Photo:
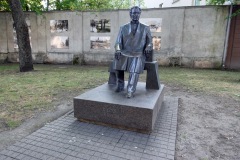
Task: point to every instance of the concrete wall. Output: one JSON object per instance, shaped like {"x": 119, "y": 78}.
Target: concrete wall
{"x": 3, "y": 38}
{"x": 190, "y": 36}
{"x": 203, "y": 37}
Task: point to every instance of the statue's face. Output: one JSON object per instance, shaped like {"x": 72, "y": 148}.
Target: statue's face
{"x": 135, "y": 14}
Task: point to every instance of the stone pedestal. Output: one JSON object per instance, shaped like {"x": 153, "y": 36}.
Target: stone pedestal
{"x": 102, "y": 105}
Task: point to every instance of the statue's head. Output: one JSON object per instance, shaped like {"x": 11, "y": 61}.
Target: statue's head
{"x": 135, "y": 13}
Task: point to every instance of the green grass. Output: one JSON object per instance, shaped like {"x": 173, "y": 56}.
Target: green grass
{"x": 13, "y": 124}
{"x": 222, "y": 83}
{"x": 24, "y": 94}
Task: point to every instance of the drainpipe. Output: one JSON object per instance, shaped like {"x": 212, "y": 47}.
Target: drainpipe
{"x": 227, "y": 36}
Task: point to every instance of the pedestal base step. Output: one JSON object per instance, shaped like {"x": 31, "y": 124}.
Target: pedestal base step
{"x": 102, "y": 105}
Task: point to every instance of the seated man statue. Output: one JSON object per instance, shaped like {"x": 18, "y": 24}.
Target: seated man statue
{"x": 133, "y": 45}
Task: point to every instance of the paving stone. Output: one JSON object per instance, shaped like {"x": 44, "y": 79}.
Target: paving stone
{"x": 71, "y": 158}
{"x": 29, "y": 158}
{"x": 9, "y": 158}
{"x": 67, "y": 138}
{"x": 85, "y": 156}
{"x": 3, "y": 157}
{"x": 20, "y": 156}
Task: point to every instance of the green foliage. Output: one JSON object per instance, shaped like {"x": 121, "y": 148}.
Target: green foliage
{"x": 221, "y": 2}
{"x": 82, "y": 5}
{"x": 216, "y": 2}
{"x": 237, "y": 12}
{"x": 27, "y": 5}
{"x": 4, "y": 6}
{"x": 32, "y": 5}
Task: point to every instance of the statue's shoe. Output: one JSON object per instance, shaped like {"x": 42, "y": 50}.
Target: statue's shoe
{"x": 119, "y": 89}
{"x": 129, "y": 95}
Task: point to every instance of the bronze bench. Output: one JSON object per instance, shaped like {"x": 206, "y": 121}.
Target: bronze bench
{"x": 152, "y": 81}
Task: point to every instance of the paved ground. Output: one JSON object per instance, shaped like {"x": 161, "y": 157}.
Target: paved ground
{"x": 68, "y": 139}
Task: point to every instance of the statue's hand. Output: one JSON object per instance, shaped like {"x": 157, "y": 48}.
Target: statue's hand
{"x": 118, "y": 55}
{"x": 147, "y": 52}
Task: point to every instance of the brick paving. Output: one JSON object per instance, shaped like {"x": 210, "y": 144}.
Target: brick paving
{"x": 68, "y": 139}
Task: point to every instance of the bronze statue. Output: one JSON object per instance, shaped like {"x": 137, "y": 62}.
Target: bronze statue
{"x": 133, "y": 44}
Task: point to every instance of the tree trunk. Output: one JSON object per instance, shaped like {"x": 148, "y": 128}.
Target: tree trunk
{"x": 25, "y": 52}
{"x": 47, "y": 5}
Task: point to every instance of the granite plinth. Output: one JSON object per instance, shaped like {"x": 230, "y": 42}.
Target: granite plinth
{"x": 104, "y": 106}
